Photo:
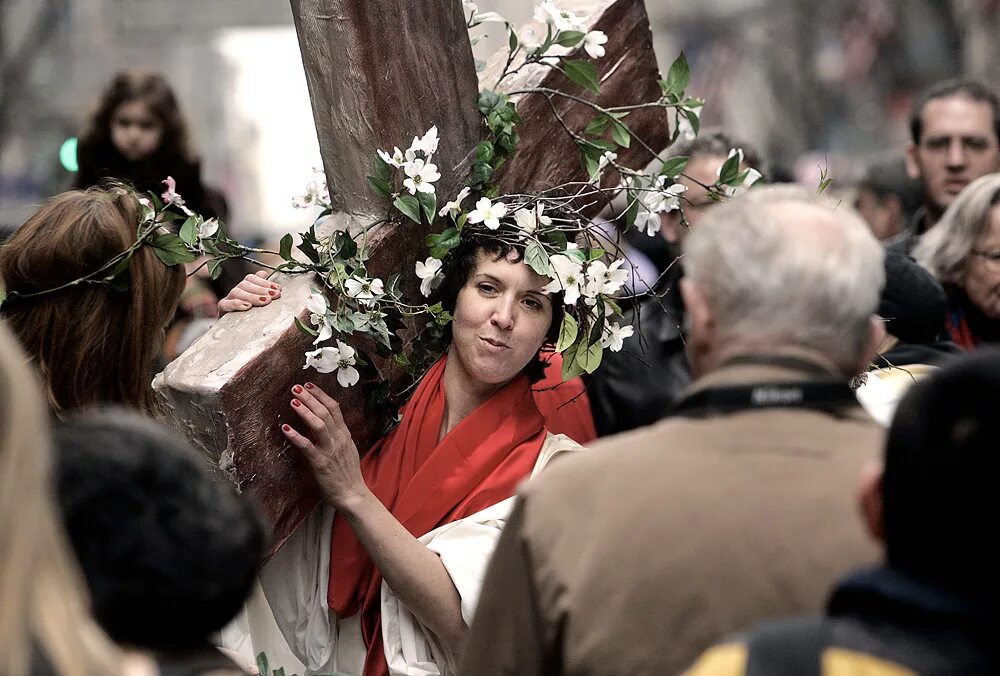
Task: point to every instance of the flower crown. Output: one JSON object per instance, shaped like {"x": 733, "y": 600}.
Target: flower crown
{"x": 558, "y": 241}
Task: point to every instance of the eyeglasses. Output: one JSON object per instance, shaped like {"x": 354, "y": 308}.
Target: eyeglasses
{"x": 992, "y": 257}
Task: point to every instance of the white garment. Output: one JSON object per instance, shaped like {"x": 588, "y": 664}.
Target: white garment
{"x": 884, "y": 388}
{"x": 287, "y": 616}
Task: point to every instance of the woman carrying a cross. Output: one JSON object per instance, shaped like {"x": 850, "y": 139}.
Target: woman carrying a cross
{"x": 385, "y": 576}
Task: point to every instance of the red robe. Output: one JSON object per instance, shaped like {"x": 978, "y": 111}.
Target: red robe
{"x": 564, "y": 405}
{"x": 426, "y": 484}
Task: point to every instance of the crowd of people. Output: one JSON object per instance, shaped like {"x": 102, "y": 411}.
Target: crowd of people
{"x": 793, "y": 473}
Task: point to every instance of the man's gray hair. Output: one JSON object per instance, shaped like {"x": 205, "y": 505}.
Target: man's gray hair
{"x": 775, "y": 282}
{"x": 945, "y": 249}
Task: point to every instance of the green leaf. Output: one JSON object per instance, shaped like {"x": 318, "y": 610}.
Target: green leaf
{"x": 489, "y": 101}
{"x": 569, "y": 38}
{"x": 189, "y": 231}
{"x": 602, "y": 146}
{"x": 597, "y": 125}
{"x": 285, "y": 247}
{"x": 556, "y": 239}
{"x": 215, "y": 268}
{"x": 428, "y": 201}
{"x": 589, "y": 358}
{"x": 170, "y": 249}
{"x": 632, "y": 212}
{"x": 440, "y": 245}
{"x": 461, "y": 221}
{"x": 481, "y": 173}
{"x": 308, "y": 330}
{"x": 537, "y": 259}
{"x": 484, "y": 151}
{"x": 674, "y": 166}
{"x": 568, "y": 331}
{"x": 693, "y": 120}
{"x": 678, "y": 76}
{"x": 730, "y": 170}
{"x": 511, "y": 39}
{"x": 379, "y": 186}
{"x": 595, "y": 253}
{"x": 621, "y": 135}
{"x": 571, "y": 368}
{"x": 383, "y": 169}
{"x": 344, "y": 245}
{"x": 410, "y": 207}
{"x": 262, "y": 666}
{"x": 582, "y": 73}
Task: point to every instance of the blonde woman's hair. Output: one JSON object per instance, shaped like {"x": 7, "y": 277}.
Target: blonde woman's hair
{"x": 90, "y": 343}
{"x": 43, "y": 607}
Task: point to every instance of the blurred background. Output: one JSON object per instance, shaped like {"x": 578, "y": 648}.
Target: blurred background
{"x": 812, "y": 83}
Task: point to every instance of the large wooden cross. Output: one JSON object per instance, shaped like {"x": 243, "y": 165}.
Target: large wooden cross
{"x": 380, "y": 72}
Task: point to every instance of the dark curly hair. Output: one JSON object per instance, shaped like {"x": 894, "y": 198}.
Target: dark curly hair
{"x": 460, "y": 265}
{"x": 169, "y": 552}
{"x": 98, "y": 158}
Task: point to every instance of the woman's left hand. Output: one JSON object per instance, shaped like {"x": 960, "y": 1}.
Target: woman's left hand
{"x": 331, "y": 451}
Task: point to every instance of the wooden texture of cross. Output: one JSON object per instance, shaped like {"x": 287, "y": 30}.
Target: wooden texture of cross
{"x": 380, "y": 72}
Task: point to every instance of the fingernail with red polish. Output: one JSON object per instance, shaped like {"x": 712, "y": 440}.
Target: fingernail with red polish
{"x": 263, "y": 299}
{"x": 297, "y": 389}
{"x": 296, "y": 402}
{"x": 275, "y": 287}
{"x": 272, "y": 293}
{"x": 309, "y": 386}
{"x": 287, "y": 428}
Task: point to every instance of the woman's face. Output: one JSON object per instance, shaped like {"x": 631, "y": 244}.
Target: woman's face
{"x": 135, "y": 130}
{"x": 501, "y": 319}
{"x": 982, "y": 275}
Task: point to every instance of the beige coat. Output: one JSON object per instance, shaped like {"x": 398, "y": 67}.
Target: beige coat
{"x": 634, "y": 558}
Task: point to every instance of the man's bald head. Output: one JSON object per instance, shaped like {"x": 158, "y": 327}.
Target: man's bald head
{"x": 779, "y": 267}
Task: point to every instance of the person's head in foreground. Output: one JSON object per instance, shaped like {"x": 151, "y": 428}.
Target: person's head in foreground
{"x": 169, "y": 551}
{"x": 778, "y": 269}
{"x": 44, "y": 623}
{"x": 963, "y": 251}
{"x": 954, "y": 139}
{"x": 90, "y": 343}
{"x": 503, "y": 318}
{"x": 936, "y": 498}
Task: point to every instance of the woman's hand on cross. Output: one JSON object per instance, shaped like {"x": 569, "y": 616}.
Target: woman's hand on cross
{"x": 329, "y": 447}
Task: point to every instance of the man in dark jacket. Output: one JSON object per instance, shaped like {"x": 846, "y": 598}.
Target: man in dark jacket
{"x": 931, "y": 608}
{"x": 636, "y": 386}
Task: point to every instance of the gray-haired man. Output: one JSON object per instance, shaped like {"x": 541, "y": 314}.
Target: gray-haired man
{"x": 636, "y": 556}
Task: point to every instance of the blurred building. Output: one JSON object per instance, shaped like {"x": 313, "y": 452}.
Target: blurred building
{"x": 812, "y": 79}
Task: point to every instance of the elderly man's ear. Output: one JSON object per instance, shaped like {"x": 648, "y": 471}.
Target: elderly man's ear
{"x": 870, "y": 500}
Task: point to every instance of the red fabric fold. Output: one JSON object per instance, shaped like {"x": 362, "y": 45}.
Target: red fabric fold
{"x": 426, "y": 484}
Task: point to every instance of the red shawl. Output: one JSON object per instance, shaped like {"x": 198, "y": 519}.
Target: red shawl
{"x": 426, "y": 484}
{"x": 564, "y": 405}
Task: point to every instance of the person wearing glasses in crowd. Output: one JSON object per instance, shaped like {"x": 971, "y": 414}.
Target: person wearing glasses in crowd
{"x": 963, "y": 252}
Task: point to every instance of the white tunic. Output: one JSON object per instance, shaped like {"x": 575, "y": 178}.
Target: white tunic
{"x": 287, "y": 616}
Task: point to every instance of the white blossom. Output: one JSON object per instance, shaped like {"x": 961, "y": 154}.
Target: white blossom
{"x": 316, "y": 193}
{"x": 207, "y": 228}
{"x": 528, "y": 220}
{"x": 647, "y": 221}
{"x": 396, "y": 159}
{"x": 606, "y": 279}
{"x": 421, "y": 176}
{"x": 488, "y": 213}
{"x": 559, "y": 19}
{"x": 364, "y": 290}
{"x": 347, "y": 375}
{"x": 318, "y": 309}
{"x": 593, "y": 43}
{"x": 453, "y": 207}
{"x": 607, "y": 157}
{"x": 567, "y": 276}
{"x": 428, "y": 144}
{"x": 529, "y": 38}
{"x": 665, "y": 200}
{"x": 614, "y": 336}
{"x": 428, "y": 271}
{"x": 323, "y": 360}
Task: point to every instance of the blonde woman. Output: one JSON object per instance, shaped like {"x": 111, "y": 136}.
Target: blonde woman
{"x": 44, "y": 625}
